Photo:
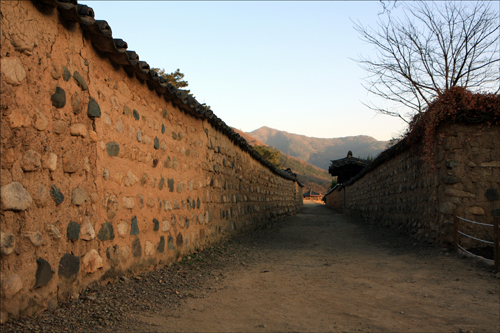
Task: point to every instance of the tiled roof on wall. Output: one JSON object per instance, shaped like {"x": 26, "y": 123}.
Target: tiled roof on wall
{"x": 116, "y": 49}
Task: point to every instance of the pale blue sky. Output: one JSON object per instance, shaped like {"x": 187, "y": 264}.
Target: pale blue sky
{"x": 282, "y": 64}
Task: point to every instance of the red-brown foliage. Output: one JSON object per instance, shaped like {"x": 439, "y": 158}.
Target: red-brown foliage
{"x": 457, "y": 105}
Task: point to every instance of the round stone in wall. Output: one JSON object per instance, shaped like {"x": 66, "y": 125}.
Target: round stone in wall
{"x": 58, "y": 99}
{"x": 15, "y": 197}
{"x": 79, "y": 196}
{"x": 73, "y": 231}
{"x": 69, "y": 265}
{"x": 93, "y": 109}
{"x": 43, "y": 273}
{"x": 7, "y": 242}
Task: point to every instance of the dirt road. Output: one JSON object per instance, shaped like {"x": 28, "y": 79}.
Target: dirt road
{"x": 321, "y": 271}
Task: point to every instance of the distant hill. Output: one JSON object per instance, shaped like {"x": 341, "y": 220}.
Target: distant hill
{"x": 310, "y": 176}
{"x": 318, "y": 151}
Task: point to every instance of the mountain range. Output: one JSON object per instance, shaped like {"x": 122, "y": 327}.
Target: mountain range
{"x": 318, "y": 151}
{"x": 310, "y": 157}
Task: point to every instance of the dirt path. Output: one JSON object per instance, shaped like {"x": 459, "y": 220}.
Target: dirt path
{"x": 321, "y": 271}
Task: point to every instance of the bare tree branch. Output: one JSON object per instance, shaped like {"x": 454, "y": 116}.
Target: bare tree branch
{"x": 435, "y": 46}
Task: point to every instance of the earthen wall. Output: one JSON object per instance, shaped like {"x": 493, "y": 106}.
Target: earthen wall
{"x": 102, "y": 176}
{"x": 407, "y": 194}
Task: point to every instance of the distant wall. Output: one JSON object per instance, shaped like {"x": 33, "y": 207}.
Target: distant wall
{"x": 101, "y": 173}
{"x": 404, "y": 194}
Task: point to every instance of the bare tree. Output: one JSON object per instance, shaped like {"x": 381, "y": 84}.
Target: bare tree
{"x": 433, "y": 47}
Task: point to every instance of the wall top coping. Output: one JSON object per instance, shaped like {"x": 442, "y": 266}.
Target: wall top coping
{"x": 115, "y": 49}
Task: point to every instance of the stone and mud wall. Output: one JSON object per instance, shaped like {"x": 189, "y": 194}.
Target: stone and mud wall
{"x": 105, "y": 169}
{"x": 406, "y": 193}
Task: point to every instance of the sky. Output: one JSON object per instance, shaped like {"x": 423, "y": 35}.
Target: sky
{"x": 287, "y": 65}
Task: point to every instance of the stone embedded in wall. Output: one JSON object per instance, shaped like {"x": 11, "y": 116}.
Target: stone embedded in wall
{"x": 119, "y": 126}
{"x": 128, "y": 202}
{"x": 113, "y": 149}
{"x": 13, "y": 70}
{"x": 93, "y": 109}
{"x": 92, "y": 261}
{"x": 106, "y": 232}
{"x": 476, "y": 210}
{"x": 69, "y": 265}
{"x": 136, "y": 114}
{"x": 151, "y": 203}
{"x": 59, "y": 126}
{"x": 93, "y": 136}
{"x": 40, "y": 122}
{"x": 144, "y": 180}
{"x": 141, "y": 200}
{"x": 19, "y": 118}
{"x": 94, "y": 197}
{"x": 162, "y": 129}
{"x": 149, "y": 249}
{"x": 55, "y": 72}
{"x": 163, "y": 145}
{"x": 491, "y": 194}
{"x": 106, "y": 119}
{"x": 76, "y": 103}
{"x": 153, "y": 182}
{"x": 176, "y": 204}
{"x": 170, "y": 184}
{"x": 50, "y": 161}
{"x": 87, "y": 231}
{"x": 58, "y": 99}
{"x": 31, "y": 161}
{"x": 80, "y": 80}
{"x": 459, "y": 194}
{"x": 71, "y": 163}
{"x": 78, "y": 130}
{"x": 125, "y": 252}
{"x": 165, "y": 226}
{"x": 146, "y": 140}
{"x": 56, "y": 195}
{"x": 174, "y": 135}
{"x": 122, "y": 229}
{"x": 156, "y": 224}
{"x": 15, "y": 197}
{"x": 43, "y": 273}
{"x": 156, "y": 143}
{"x": 105, "y": 174}
{"x": 179, "y": 240}
{"x": 167, "y": 205}
{"x": 134, "y": 228}
{"x": 171, "y": 245}
{"x": 53, "y": 231}
{"x": 179, "y": 136}
{"x": 161, "y": 245}
{"x": 136, "y": 248}
{"x": 73, "y": 231}
{"x": 130, "y": 179}
{"x": 155, "y": 162}
{"x": 114, "y": 102}
{"x": 34, "y": 236}
{"x": 126, "y": 110}
{"x": 79, "y": 196}
{"x": 180, "y": 187}
{"x": 7, "y": 242}
{"x": 168, "y": 162}
{"x": 11, "y": 286}
{"x": 492, "y": 164}
{"x": 161, "y": 183}
{"x": 113, "y": 253}
{"x": 66, "y": 74}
